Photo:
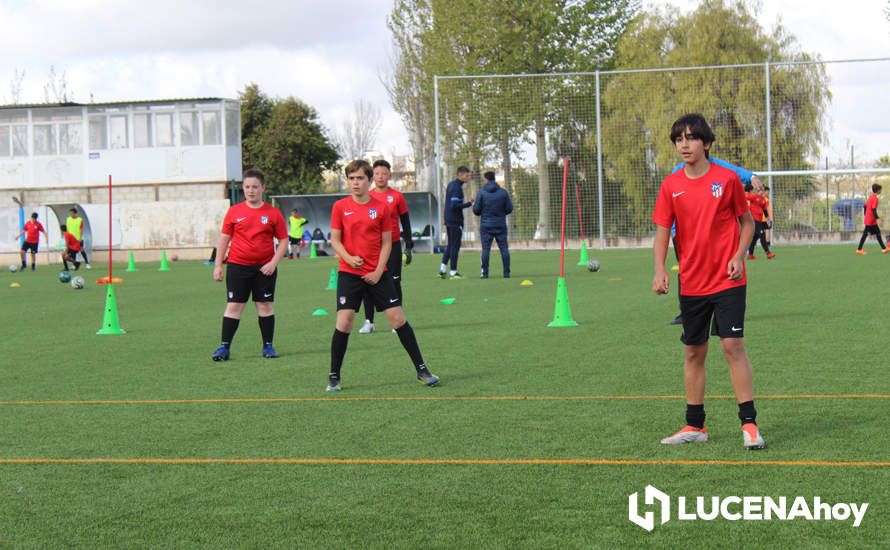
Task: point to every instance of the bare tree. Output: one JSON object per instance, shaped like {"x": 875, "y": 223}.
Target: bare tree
{"x": 15, "y": 86}
{"x": 56, "y": 88}
{"x": 360, "y": 131}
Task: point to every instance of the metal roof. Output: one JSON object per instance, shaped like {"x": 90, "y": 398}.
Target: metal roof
{"x": 114, "y": 103}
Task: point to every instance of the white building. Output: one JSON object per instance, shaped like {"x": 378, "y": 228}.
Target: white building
{"x": 170, "y": 160}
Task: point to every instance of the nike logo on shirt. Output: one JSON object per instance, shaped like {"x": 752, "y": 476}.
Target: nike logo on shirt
{"x": 240, "y": 219}
{"x": 675, "y": 195}
{"x": 348, "y": 213}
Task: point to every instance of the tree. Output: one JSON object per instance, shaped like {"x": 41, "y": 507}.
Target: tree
{"x": 15, "y": 86}
{"x": 487, "y": 119}
{"x": 639, "y": 108}
{"x": 56, "y": 88}
{"x": 360, "y": 131}
{"x": 284, "y": 138}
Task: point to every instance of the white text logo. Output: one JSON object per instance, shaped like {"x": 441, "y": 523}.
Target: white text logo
{"x": 738, "y": 508}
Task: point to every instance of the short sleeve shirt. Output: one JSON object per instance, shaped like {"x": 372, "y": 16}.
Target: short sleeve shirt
{"x": 253, "y": 232}
{"x": 32, "y": 231}
{"x": 871, "y": 204}
{"x": 71, "y": 242}
{"x": 395, "y": 201}
{"x": 757, "y": 202}
{"x": 706, "y": 211}
{"x": 361, "y": 229}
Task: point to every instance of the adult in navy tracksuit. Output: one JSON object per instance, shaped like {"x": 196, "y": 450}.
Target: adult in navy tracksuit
{"x": 493, "y": 204}
{"x": 454, "y": 220}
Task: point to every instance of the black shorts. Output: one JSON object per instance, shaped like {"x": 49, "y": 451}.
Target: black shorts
{"x": 26, "y": 246}
{"x": 295, "y": 240}
{"x": 244, "y": 280}
{"x": 872, "y": 229}
{"x": 723, "y": 311}
{"x": 394, "y": 263}
{"x": 351, "y": 290}
{"x": 71, "y": 253}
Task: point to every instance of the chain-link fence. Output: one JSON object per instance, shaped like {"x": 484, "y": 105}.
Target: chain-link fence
{"x": 775, "y": 119}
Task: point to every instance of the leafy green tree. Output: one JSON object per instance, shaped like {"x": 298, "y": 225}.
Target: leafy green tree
{"x": 639, "y": 108}
{"x": 486, "y": 119}
{"x": 284, "y": 138}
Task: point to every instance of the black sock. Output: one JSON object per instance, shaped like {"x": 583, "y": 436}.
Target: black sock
{"x": 695, "y": 415}
{"x": 267, "y": 328}
{"x": 747, "y": 414}
{"x": 369, "y": 308}
{"x": 65, "y": 263}
{"x": 229, "y": 326}
{"x": 338, "y": 350}
{"x": 409, "y": 342}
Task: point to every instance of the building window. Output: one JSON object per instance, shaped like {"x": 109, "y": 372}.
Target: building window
{"x": 233, "y": 127}
{"x": 69, "y": 139}
{"x": 98, "y": 132}
{"x": 118, "y": 135}
{"x": 20, "y": 141}
{"x": 188, "y": 128}
{"x": 142, "y": 130}
{"x": 5, "y": 141}
{"x": 45, "y": 139}
{"x": 164, "y": 130}
{"x": 211, "y": 127}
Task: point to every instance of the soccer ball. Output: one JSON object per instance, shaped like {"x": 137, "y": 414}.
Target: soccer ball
{"x": 64, "y": 276}
{"x": 77, "y": 282}
{"x": 13, "y": 268}
{"x": 593, "y": 266}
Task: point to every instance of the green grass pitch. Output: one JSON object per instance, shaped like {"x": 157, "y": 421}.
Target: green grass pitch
{"x": 153, "y": 400}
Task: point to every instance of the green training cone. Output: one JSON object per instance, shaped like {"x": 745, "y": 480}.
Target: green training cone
{"x": 131, "y": 265}
{"x": 164, "y": 265}
{"x": 582, "y": 260}
{"x": 110, "y": 322}
{"x": 312, "y": 252}
{"x": 562, "y": 313}
{"x": 332, "y": 281}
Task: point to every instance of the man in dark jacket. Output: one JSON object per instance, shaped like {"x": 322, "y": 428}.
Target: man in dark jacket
{"x": 454, "y": 221}
{"x": 493, "y": 204}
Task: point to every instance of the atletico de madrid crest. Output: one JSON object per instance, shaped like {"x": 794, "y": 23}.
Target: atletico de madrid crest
{"x": 717, "y": 190}
{"x": 264, "y": 220}
{"x": 372, "y": 213}
{"x": 389, "y": 198}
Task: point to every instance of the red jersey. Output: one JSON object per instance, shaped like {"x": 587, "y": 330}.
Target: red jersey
{"x": 395, "y": 200}
{"x": 71, "y": 242}
{"x": 757, "y": 202}
{"x": 361, "y": 231}
{"x": 871, "y": 204}
{"x": 252, "y": 231}
{"x": 706, "y": 210}
{"x": 32, "y": 231}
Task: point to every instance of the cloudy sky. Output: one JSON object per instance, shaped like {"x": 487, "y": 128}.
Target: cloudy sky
{"x": 331, "y": 53}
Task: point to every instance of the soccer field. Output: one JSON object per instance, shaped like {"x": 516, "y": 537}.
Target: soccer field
{"x": 536, "y": 436}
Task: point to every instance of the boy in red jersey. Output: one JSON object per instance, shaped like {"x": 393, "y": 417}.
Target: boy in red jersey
{"x": 31, "y": 231}
{"x": 247, "y": 244}
{"x": 871, "y": 221}
{"x": 714, "y": 227}
{"x": 361, "y": 233}
{"x": 757, "y": 202}
{"x": 72, "y": 247}
{"x": 398, "y": 211}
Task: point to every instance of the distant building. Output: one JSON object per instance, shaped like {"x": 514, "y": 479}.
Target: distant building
{"x": 63, "y": 152}
{"x": 171, "y": 162}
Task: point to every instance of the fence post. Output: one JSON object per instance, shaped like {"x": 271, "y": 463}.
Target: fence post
{"x": 599, "y": 164}
{"x": 436, "y": 160}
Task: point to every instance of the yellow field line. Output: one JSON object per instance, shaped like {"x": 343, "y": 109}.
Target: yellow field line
{"x": 424, "y": 398}
{"x": 453, "y": 461}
